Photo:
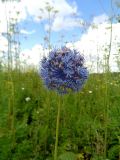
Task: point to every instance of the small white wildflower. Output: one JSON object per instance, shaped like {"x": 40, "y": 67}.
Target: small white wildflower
{"x": 27, "y": 99}
{"x": 23, "y": 89}
{"x": 90, "y": 92}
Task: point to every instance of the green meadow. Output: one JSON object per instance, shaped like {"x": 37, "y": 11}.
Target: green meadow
{"x": 89, "y": 126}
{"x": 37, "y": 123}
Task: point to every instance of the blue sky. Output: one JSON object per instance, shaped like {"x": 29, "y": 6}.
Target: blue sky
{"x": 87, "y": 10}
{"x": 83, "y": 24}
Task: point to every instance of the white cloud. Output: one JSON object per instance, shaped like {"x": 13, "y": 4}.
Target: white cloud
{"x": 3, "y": 24}
{"x": 33, "y": 56}
{"x": 36, "y": 9}
{"x": 3, "y": 44}
{"x": 94, "y": 43}
{"x": 66, "y": 23}
{"x": 63, "y": 19}
{"x": 22, "y": 31}
{"x": 3, "y": 49}
{"x": 101, "y": 19}
{"x": 11, "y": 12}
{"x": 16, "y": 11}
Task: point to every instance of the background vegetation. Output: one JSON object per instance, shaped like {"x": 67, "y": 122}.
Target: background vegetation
{"x": 89, "y": 122}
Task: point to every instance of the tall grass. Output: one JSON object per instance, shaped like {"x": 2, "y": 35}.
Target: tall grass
{"x": 83, "y": 121}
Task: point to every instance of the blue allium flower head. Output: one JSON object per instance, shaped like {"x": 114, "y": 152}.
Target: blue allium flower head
{"x": 63, "y": 70}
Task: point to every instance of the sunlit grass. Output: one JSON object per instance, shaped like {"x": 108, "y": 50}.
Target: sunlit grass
{"x": 82, "y": 123}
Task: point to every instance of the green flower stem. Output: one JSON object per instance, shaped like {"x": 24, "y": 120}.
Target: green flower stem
{"x": 57, "y": 129}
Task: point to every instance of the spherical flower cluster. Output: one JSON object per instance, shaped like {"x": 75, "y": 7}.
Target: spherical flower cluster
{"x": 63, "y": 70}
